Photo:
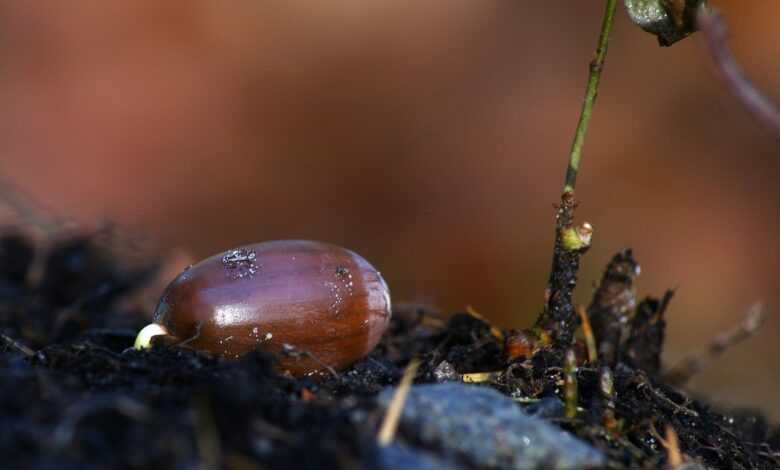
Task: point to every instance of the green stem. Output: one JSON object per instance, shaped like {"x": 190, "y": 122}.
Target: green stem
{"x": 590, "y": 97}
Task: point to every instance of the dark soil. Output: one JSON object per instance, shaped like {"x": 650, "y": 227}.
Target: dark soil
{"x": 75, "y": 395}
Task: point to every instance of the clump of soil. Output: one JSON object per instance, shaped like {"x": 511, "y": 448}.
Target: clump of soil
{"x": 75, "y": 395}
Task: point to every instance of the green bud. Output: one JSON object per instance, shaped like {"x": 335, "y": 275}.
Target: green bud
{"x": 579, "y": 238}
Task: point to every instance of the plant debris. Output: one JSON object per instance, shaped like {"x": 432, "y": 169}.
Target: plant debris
{"x": 669, "y": 20}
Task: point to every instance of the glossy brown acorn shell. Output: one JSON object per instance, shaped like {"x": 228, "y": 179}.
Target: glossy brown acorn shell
{"x": 318, "y": 298}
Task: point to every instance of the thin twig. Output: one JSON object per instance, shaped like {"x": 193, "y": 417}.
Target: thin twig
{"x": 18, "y": 346}
{"x": 596, "y": 66}
{"x": 393, "y": 415}
{"x": 674, "y": 456}
{"x": 676, "y": 408}
{"x": 713, "y": 27}
{"x": 570, "y": 389}
{"x": 291, "y": 351}
{"x": 692, "y": 365}
{"x": 672, "y": 445}
{"x": 494, "y": 330}
{"x": 587, "y": 332}
{"x": 607, "y": 392}
{"x": 480, "y": 377}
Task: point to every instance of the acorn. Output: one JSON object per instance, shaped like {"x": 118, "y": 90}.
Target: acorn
{"x": 315, "y": 306}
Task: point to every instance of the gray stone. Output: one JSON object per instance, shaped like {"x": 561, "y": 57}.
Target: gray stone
{"x": 546, "y": 408}
{"x": 399, "y": 457}
{"x": 487, "y": 429}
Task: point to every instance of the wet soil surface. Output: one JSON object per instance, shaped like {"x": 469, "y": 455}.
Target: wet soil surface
{"x": 75, "y": 395}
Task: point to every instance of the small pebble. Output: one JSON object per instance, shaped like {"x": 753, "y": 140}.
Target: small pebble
{"x": 444, "y": 372}
{"x": 482, "y": 426}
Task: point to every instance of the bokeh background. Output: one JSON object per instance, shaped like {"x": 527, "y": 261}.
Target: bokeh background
{"x": 429, "y": 136}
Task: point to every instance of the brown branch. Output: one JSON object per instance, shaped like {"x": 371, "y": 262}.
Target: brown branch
{"x": 692, "y": 365}
{"x": 713, "y": 27}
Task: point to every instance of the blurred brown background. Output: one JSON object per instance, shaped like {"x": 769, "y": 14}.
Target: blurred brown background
{"x": 430, "y": 136}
